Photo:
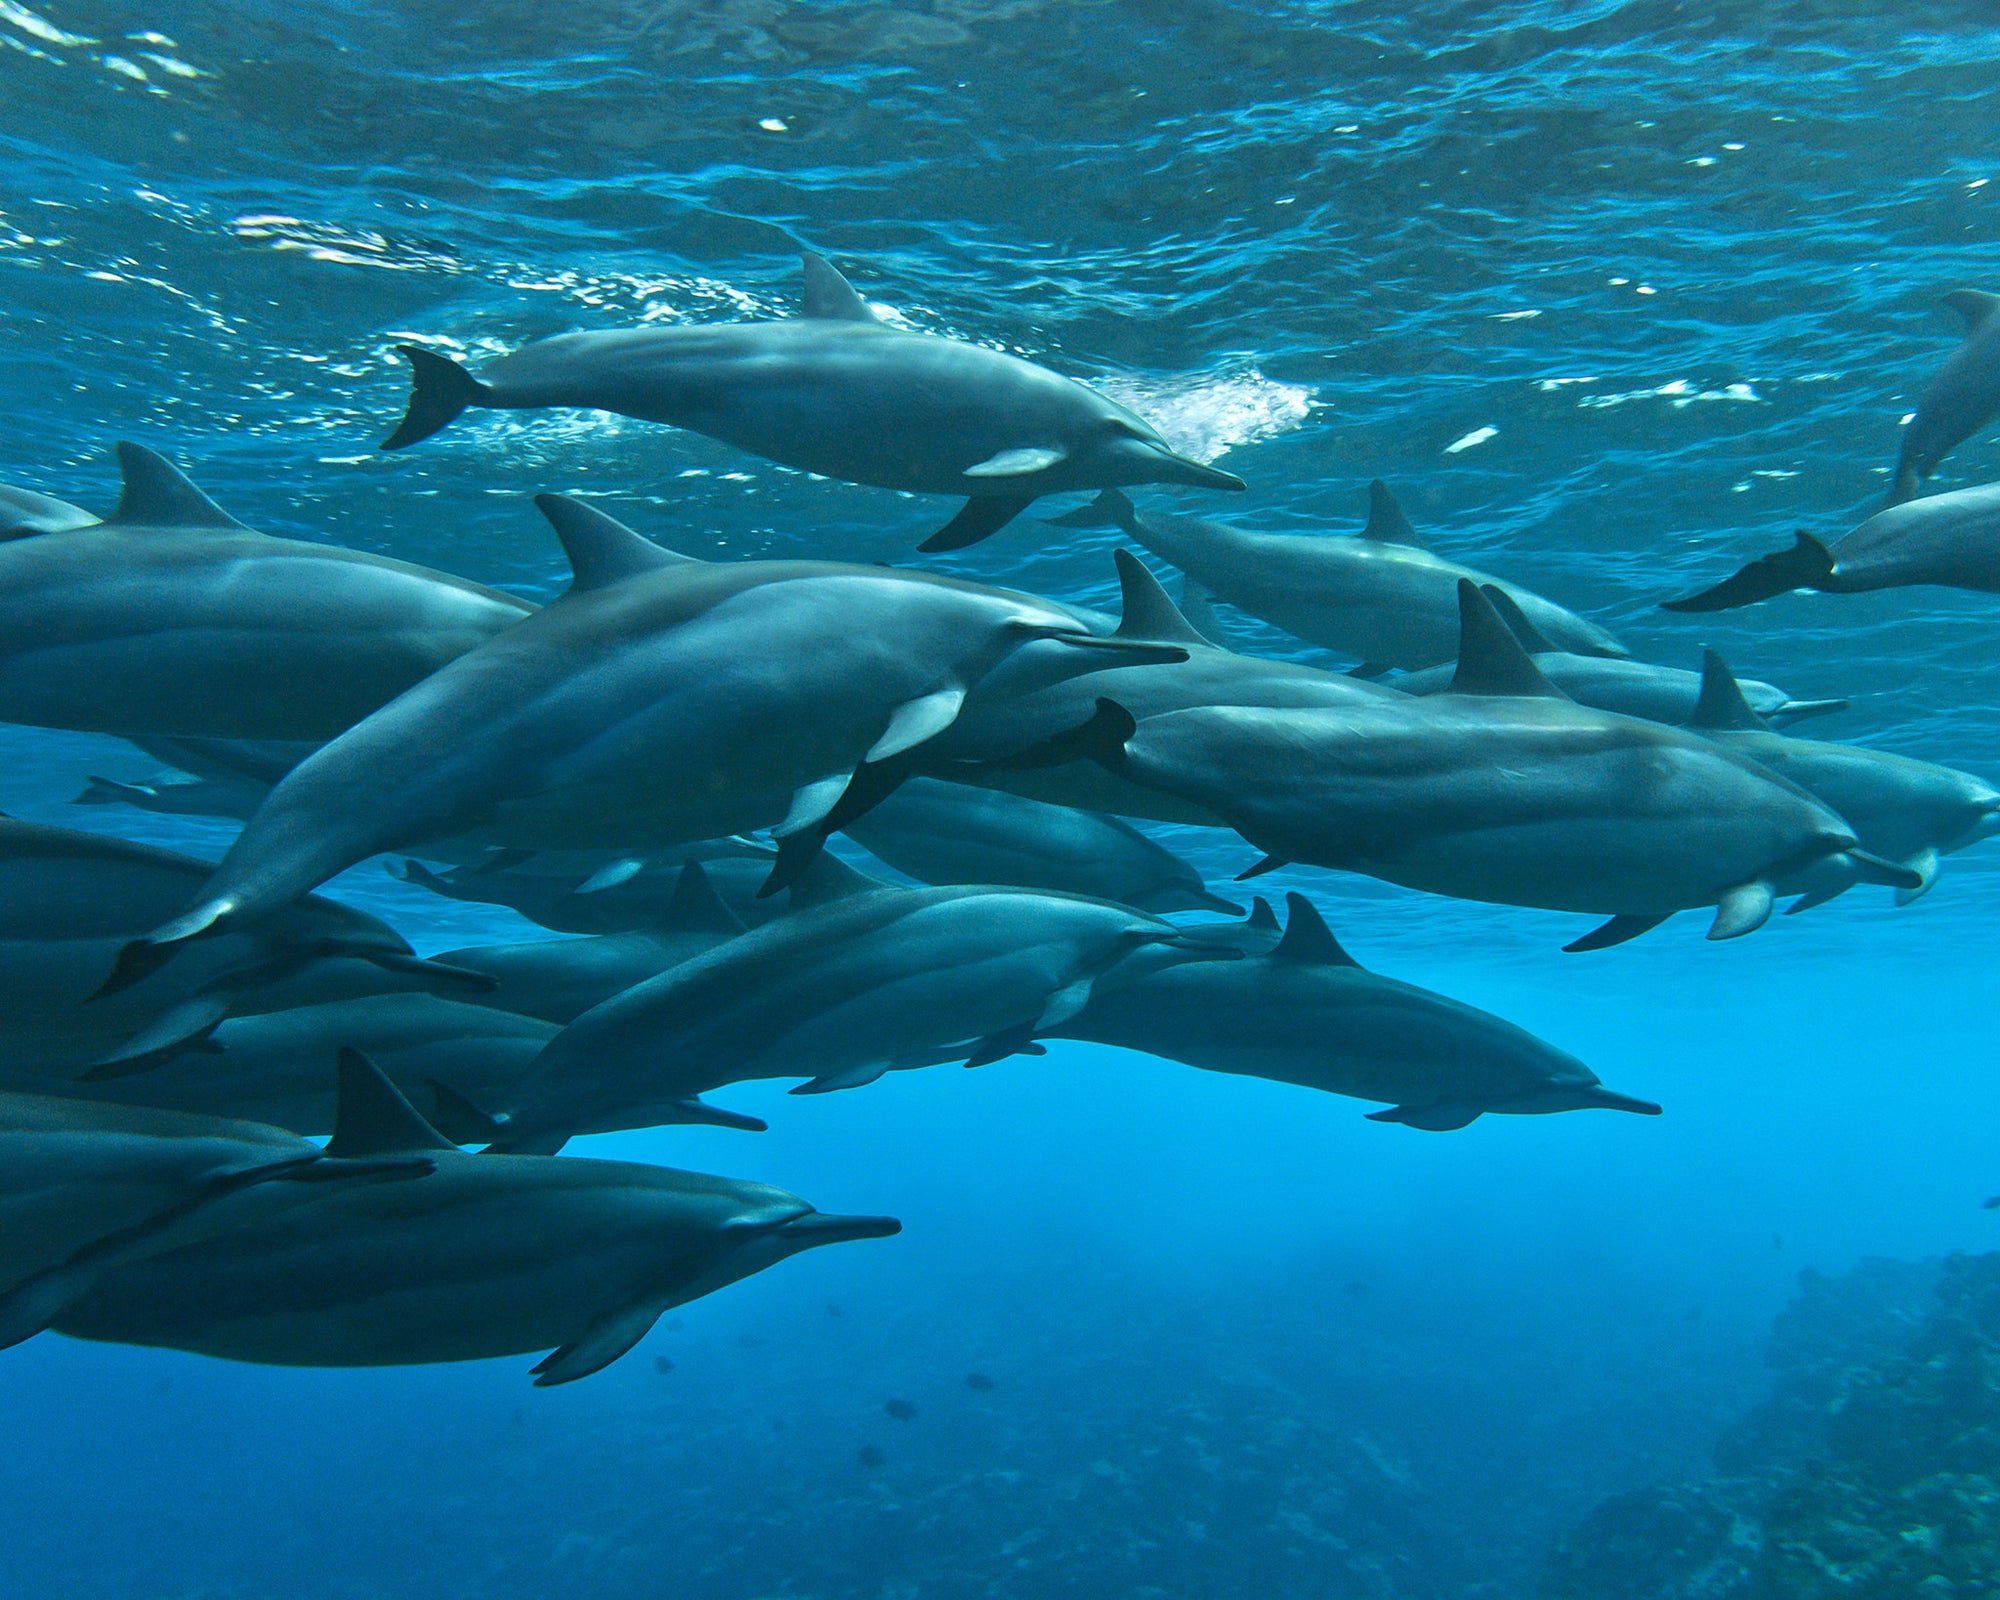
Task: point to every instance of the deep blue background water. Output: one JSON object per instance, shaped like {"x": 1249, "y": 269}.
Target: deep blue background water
{"x": 1683, "y": 260}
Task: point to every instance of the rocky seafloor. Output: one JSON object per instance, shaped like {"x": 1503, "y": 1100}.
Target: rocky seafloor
{"x": 1871, "y": 1473}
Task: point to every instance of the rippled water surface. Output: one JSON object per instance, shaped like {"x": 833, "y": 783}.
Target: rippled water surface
{"x": 1616, "y": 296}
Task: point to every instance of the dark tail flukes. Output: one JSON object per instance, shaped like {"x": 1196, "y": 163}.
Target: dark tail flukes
{"x": 440, "y": 389}
{"x": 1807, "y": 565}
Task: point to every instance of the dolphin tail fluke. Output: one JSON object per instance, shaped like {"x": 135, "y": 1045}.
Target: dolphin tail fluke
{"x": 439, "y": 389}
{"x": 603, "y": 1342}
{"x": 1807, "y": 565}
{"x": 1616, "y": 931}
{"x": 1112, "y": 508}
{"x": 1101, "y": 739}
{"x": 979, "y": 518}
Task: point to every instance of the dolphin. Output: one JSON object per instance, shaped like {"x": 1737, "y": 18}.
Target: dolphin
{"x": 1959, "y": 401}
{"x": 171, "y": 617}
{"x": 837, "y": 392}
{"x": 24, "y": 514}
{"x": 1503, "y": 790}
{"x": 273, "y": 1068}
{"x": 1015, "y": 743}
{"x": 70, "y": 900}
{"x": 1951, "y": 540}
{"x": 654, "y": 899}
{"x": 841, "y": 994}
{"x": 503, "y": 1255}
{"x": 948, "y": 833}
{"x": 1612, "y": 683}
{"x": 1383, "y": 596}
{"x": 656, "y": 700}
{"x": 1304, "y": 1011}
{"x": 84, "y": 1188}
{"x": 1907, "y": 811}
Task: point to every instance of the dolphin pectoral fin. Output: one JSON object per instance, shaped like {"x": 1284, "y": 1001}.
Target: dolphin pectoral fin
{"x": 914, "y": 721}
{"x": 439, "y": 390}
{"x": 811, "y": 802}
{"x": 1975, "y": 305}
{"x": 603, "y": 1342}
{"x": 1017, "y": 463}
{"x": 1442, "y": 1117}
{"x": 872, "y": 783}
{"x": 181, "y": 1028}
{"x": 855, "y": 1077}
{"x": 611, "y": 875}
{"x": 1807, "y": 565}
{"x": 1818, "y": 897}
{"x": 1616, "y": 931}
{"x": 979, "y": 518}
{"x": 1101, "y": 739}
{"x": 1925, "y": 865}
{"x": 1014, "y": 1041}
{"x": 1744, "y": 909}
{"x": 829, "y": 297}
{"x": 1065, "y": 1003}
{"x": 1270, "y": 863}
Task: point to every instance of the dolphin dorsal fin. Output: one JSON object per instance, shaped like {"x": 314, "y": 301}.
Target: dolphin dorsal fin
{"x": 1146, "y": 611}
{"x": 1722, "y": 706}
{"x": 829, "y": 296}
{"x": 1490, "y": 658}
{"x": 1975, "y": 305}
{"x": 829, "y": 879}
{"x": 1261, "y": 917}
{"x": 1387, "y": 521}
{"x": 601, "y": 549}
{"x": 158, "y": 495}
{"x": 696, "y": 907}
{"x": 1308, "y": 939}
{"x": 1533, "y": 640}
{"x": 371, "y": 1117}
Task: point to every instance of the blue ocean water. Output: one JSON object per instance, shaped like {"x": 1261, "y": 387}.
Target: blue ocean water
{"x": 1615, "y": 295}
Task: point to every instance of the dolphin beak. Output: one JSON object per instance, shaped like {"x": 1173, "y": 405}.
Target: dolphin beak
{"x": 1611, "y": 1100}
{"x": 1173, "y": 468}
{"x": 816, "y": 1227}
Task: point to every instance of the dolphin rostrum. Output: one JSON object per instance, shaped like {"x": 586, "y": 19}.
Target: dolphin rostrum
{"x": 656, "y": 700}
{"x": 841, "y": 994}
{"x": 1381, "y": 596}
{"x": 171, "y": 617}
{"x": 1304, "y": 1011}
{"x": 504, "y": 1255}
{"x": 837, "y": 392}
{"x": 1952, "y": 540}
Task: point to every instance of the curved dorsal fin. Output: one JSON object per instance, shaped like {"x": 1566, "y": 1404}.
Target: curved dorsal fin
{"x": 1533, "y": 640}
{"x": 372, "y": 1118}
{"x": 601, "y": 549}
{"x": 1722, "y": 706}
{"x": 1975, "y": 305}
{"x": 829, "y": 878}
{"x": 1307, "y": 937}
{"x": 1490, "y": 658}
{"x": 158, "y": 495}
{"x": 829, "y": 296}
{"x": 1145, "y": 610}
{"x": 1261, "y": 917}
{"x": 1387, "y": 521}
{"x": 696, "y": 907}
